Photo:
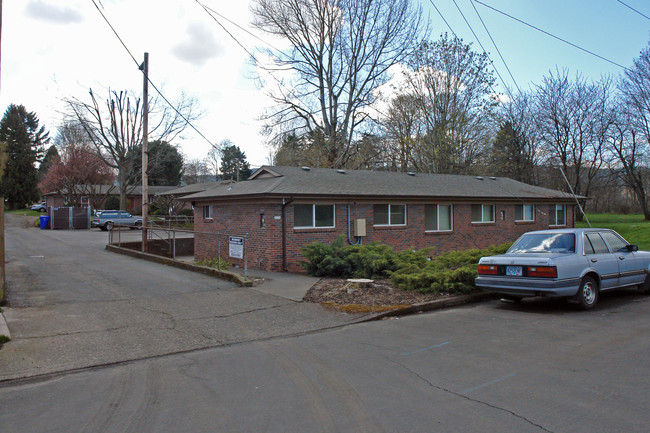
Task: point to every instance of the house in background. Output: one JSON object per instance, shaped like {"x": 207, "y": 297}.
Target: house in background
{"x": 282, "y": 209}
{"x": 95, "y": 196}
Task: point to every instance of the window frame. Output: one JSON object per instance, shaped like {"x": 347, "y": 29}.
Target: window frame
{"x": 313, "y": 216}
{"x": 494, "y": 210}
{"x": 437, "y": 229}
{"x": 389, "y": 224}
{"x": 554, "y": 212}
{"x": 523, "y": 219}
{"x": 210, "y": 212}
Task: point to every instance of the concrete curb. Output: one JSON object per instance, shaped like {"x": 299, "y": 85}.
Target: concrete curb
{"x": 455, "y": 301}
{"x": 4, "y": 329}
{"x": 224, "y": 275}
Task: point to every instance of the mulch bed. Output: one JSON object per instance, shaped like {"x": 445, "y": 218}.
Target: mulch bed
{"x": 379, "y": 296}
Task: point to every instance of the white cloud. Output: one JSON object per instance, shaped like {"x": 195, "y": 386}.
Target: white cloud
{"x": 199, "y": 46}
{"x": 44, "y": 11}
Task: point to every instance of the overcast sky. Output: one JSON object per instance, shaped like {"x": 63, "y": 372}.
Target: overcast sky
{"x": 53, "y": 49}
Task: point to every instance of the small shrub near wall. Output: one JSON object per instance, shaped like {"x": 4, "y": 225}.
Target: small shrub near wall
{"x": 451, "y": 272}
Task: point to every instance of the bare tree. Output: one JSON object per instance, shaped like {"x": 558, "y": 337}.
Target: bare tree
{"x": 573, "y": 119}
{"x": 114, "y": 126}
{"x": 340, "y": 52}
{"x": 630, "y": 140}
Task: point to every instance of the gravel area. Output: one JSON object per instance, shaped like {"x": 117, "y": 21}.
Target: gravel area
{"x": 378, "y": 296}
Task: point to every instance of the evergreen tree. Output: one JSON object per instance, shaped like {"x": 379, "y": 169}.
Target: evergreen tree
{"x": 510, "y": 156}
{"x": 51, "y": 157}
{"x": 165, "y": 164}
{"x": 24, "y": 142}
{"x": 233, "y": 163}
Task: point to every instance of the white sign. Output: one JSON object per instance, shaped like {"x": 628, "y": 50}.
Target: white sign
{"x": 236, "y": 247}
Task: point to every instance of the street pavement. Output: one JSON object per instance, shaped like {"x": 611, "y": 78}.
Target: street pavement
{"x": 73, "y": 305}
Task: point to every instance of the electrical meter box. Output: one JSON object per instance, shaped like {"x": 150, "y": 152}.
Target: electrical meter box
{"x": 360, "y": 227}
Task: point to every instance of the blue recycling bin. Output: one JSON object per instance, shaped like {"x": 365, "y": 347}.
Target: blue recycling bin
{"x": 45, "y": 221}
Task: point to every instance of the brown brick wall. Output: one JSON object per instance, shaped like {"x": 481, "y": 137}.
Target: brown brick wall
{"x": 264, "y": 247}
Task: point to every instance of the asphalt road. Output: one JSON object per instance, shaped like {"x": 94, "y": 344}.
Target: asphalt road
{"x": 72, "y": 304}
{"x": 540, "y": 366}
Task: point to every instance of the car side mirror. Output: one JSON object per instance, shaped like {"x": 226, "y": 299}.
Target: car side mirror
{"x": 632, "y": 248}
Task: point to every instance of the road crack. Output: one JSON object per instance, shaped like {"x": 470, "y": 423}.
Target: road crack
{"x": 463, "y": 396}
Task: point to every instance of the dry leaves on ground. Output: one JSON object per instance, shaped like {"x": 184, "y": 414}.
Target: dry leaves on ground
{"x": 378, "y": 296}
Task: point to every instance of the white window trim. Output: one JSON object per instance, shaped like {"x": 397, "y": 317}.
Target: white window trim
{"x": 555, "y": 211}
{"x": 532, "y": 214}
{"x": 437, "y": 230}
{"x": 389, "y": 223}
{"x": 313, "y": 217}
{"x": 210, "y": 212}
{"x": 494, "y": 218}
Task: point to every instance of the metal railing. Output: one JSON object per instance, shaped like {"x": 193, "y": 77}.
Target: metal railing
{"x": 229, "y": 246}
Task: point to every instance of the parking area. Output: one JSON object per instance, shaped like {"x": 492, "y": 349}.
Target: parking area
{"x": 72, "y": 304}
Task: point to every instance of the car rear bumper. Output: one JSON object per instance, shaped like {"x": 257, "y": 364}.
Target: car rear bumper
{"x": 528, "y": 286}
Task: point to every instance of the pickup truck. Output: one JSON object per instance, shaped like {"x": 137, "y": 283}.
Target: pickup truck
{"x": 108, "y": 219}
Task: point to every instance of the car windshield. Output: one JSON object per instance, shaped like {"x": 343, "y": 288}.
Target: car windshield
{"x": 535, "y": 243}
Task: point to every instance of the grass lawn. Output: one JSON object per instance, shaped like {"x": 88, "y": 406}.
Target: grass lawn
{"x": 632, "y": 227}
{"x": 26, "y": 212}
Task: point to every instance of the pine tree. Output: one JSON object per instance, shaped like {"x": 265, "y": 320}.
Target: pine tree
{"x": 233, "y": 164}
{"x": 23, "y": 141}
{"x": 51, "y": 157}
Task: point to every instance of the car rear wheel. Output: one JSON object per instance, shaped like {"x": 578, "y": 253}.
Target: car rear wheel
{"x": 587, "y": 295}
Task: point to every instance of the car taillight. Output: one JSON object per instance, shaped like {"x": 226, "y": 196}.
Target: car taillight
{"x": 542, "y": 271}
{"x": 487, "y": 270}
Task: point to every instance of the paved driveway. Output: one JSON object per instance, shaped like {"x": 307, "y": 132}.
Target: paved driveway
{"x": 72, "y": 304}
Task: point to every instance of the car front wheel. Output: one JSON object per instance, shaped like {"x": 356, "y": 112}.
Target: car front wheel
{"x": 587, "y": 295}
{"x": 108, "y": 226}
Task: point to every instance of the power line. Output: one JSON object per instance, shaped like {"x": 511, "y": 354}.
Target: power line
{"x": 484, "y": 50}
{"x": 148, "y": 79}
{"x": 495, "y": 46}
{"x": 550, "y": 34}
{"x": 628, "y": 6}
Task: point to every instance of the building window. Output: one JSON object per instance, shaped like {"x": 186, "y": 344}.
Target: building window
{"x": 482, "y": 213}
{"x": 438, "y": 217}
{"x": 390, "y": 214}
{"x": 525, "y": 212}
{"x": 557, "y": 215}
{"x": 313, "y": 215}
{"x": 207, "y": 212}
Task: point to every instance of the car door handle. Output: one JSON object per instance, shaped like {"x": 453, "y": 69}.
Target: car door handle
{"x": 621, "y": 258}
{"x": 594, "y": 260}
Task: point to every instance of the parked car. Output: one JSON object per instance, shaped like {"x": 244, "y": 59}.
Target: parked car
{"x": 41, "y": 207}
{"x": 572, "y": 263}
{"x": 108, "y": 219}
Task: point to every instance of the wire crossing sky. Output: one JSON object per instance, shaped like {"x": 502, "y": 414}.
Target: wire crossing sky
{"x": 53, "y": 50}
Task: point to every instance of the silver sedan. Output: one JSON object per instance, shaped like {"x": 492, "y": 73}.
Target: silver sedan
{"x": 572, "y": 263}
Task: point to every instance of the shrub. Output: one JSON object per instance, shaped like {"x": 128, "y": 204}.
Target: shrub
{"x": 112, "y": 202}
{"x": 214, "y": 263}
{"x": 186, "y": 212}
{"x": 451, "y": 272}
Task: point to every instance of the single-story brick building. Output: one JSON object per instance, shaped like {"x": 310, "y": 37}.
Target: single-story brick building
{"x": 96, "y": 195}
{"x": 282, "y": 209}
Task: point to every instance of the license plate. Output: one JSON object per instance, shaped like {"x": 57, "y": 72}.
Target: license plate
{"x": 514, "y": 271}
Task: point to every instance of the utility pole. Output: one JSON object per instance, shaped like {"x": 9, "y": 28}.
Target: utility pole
{"x": 144, "y": 67}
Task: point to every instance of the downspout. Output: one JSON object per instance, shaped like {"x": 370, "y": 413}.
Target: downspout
{"x": 284, "y": 233}
{"x": 358, "y": 241}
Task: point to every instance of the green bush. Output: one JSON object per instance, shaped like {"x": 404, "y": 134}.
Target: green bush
{"x": 451, "y": 272}
{"x": 186, "y": 212}
{"x": 112, "y": 202}
{"x": 214, "y": 263}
